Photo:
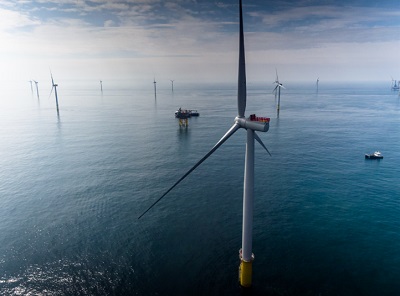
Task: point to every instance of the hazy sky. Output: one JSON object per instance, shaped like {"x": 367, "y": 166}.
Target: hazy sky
{"x": 197, "y": 40}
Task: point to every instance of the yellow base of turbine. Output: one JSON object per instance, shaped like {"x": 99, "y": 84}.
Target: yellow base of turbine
{"x": 245, "y": 271}
{"x": 183, "y": 122}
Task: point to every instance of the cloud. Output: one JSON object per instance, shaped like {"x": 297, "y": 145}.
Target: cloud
{"x": 339, "y": 24}
{"x": 194, "y": 39}
{"x": 12, "y": 21}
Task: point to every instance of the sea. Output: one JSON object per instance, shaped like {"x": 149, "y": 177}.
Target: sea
{"x": 73, "y": 184}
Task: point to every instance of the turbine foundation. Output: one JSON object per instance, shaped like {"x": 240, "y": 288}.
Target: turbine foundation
{"x": 245, "y": 271}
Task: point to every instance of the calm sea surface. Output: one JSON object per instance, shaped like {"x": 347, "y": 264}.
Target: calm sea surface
{"x": 326, "y": 221}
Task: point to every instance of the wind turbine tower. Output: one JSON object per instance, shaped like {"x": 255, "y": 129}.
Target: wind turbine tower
{"x": 172, "y": 84}
{"x": 37, "y": 88}
{"x": 251, "y": 124}
{"x": 277, "y": 90}
{"x": 54, "y": 86}
{"x": 101, "y": 86}
{"x": 317, "y": 83}
{"x": 155, "y": 88}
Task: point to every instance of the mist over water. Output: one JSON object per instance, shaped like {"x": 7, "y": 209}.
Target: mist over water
{"x": 72, "y": 186}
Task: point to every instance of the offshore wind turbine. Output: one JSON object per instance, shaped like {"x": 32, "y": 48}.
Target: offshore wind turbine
{"x": 54, "y": 86}
{"x": 317, "y": 83}
{"x": 37, "y": 88}
{"x": 155, "y": 88}
{"x": 101, "y": 86}
{"x": 396, "y": 85}
{"x": 277, "y": 90}
{"x": 172, "y": 84}
{"x": 251, "y": 125}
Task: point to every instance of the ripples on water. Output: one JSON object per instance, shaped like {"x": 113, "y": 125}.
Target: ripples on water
{"x": 72, "y": 187}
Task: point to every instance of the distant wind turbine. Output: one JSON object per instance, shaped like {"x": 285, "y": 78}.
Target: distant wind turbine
{"x": 155, "y": 88}
{"x": 251, "y": 125}
{"x": 30, "y": 81}
{"x": 395, "y": 85}
{"x": 317, "y": 83}
{"x": 37, "y": 88}
{"x": 54, "y": 86}
{"x": 172, "y": 83}
{"x": 277, "y": 91}
{"x": 101, "y": 86}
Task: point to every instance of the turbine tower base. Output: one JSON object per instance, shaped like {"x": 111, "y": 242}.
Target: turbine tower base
{"x": 245, "y": 271}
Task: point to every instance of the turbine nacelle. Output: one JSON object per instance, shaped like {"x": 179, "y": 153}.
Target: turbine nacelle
{"x": 254, "y": 123}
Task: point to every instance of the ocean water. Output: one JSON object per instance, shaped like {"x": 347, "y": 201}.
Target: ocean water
{"x": 326, "y": 221}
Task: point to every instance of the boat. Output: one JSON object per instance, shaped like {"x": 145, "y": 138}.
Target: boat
{"x": 184, "y": 113}
{"x": 375, "y": 155}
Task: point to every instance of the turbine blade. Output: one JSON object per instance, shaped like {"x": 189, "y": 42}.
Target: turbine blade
{"x": 51, "y": 92}
{"x": 261, "y": 143}
{"x": 275, "y": 88}
{"x": 241, "y": 97}
{"x": 52, "y": 80}
{"x": 229, "y": 133}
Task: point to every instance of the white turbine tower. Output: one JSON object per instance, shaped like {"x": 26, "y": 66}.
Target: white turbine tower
{"x": 54, "y": 86}
{"x": 251, "y": 125}
{"x": 172, "y": 84}
{"x": 277, "y": 91}
{"x": 101, "y": 86}
{"x": 37, "y": 88}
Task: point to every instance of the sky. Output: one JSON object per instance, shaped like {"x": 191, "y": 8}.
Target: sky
{"x": 193, "y": 41}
